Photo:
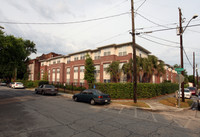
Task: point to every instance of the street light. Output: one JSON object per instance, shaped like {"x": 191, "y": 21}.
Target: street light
{"x": 181, "y": 31}
{"x": 194, "y": 17}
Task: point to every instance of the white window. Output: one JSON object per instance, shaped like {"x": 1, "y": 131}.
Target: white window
{"x": 68, "y": 70}
{"x": 121, "y": 65}
{"x": 58, "y": 61}
{"x": 75, "y": 69}
{"x": 68, "y": 76}
{"x": 68, "y": 81}
{"x": 68, "y": 60}
{"x": 42, "y": 64}
{"x": 122, "y": 51}
{"x": 105, "y": 66}
{"x": 82, "y": 68}
{"x": 54, "y": 75}
{"x": 54, "y": 62}
{"x": 107, "y": 52}
{"x": 82, "y": 56}
{"x": 75, "y": 82}
{"x": 58, "y": 75}
{"x": 75, "y": 58}
{"x": 97, "y": 68}
{"x": 97, "y": 55}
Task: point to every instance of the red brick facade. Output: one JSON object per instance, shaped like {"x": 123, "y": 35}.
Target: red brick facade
{"x": 51, "y": 63}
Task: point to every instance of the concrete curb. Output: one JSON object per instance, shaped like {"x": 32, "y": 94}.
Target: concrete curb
{"x": 65, "y": 95}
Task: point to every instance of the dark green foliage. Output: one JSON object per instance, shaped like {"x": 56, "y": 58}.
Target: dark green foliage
{"x": 32, "y": 84}
{"x": 14, "y": 56}
{"x": 114, "y": 71}
{"x": 41, "y": 82}
{"x": 144, "y": 90}
{"x": 89, "y": 70}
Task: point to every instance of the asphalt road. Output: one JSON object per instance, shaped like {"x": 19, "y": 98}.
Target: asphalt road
{"x": 25, "y": 114}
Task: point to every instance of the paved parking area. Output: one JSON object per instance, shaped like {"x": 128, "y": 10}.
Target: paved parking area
{"x": 25, "y": 114}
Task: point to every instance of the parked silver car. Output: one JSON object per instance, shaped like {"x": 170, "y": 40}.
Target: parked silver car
{"x": 46, "y": 89}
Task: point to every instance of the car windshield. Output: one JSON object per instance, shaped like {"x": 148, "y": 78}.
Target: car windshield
{"x": 97, "y": 91}
{"x": 186, "y": 90}
{"x": 49, "y": 86}
{"x": 191, "y": 88}
{"x": 19, "y": 83}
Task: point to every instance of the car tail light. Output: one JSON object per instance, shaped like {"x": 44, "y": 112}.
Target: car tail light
{"x": 108, "y": 96}
{"x": 100, "y": 96}
{"x": 16, "y": 84}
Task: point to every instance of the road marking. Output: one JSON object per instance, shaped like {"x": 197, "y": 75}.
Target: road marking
{"x": 135, "y": 112}
{"x": 121, "y": 110}
{"x": 187, "y": 124}
{"x": 177, "y": 122}
{"x": 155, "y": 120}
{"x": 106, "y": 109}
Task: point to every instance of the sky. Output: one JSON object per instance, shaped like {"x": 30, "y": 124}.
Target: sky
{"x": 64, "y": 37}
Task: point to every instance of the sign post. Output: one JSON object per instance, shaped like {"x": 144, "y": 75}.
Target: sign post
{"x": 179, "y": 79}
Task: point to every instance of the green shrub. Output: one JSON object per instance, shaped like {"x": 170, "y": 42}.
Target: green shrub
{"x": 144, "y": 90}
{"x": 41, "y": 82}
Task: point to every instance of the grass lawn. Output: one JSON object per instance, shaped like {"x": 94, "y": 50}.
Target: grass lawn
{"x": 173, "y": 102}
{"x": 138, "y": 104}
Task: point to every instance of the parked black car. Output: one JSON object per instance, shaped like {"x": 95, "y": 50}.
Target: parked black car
{"x": 46, "y": 89}
{"x": 92, "y": 96}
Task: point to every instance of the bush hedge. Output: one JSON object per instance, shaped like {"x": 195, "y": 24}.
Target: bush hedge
{"x": 144, "y": 90}
{"x": 33, "y": 84}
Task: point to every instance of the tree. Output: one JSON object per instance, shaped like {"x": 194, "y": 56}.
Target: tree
{"x": 14, "y": 56}
{"x": 127, "y": 69}
{"x": 89, "y": 70}
{"x": 114, "y": 71}
{"x": 146, "y": 67}
{"x": 152, "y": 66}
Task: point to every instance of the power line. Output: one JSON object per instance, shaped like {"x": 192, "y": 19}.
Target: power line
{"x": 70, "y": 22}
{"x": 158, "y": 42}
{"x": 163, "y": 39}
{"x": 187, "y": 58}
{"x": 156, "y": 26}
{"x": 140, "y": 5}
{"x": 112, "y": 37}
{"x": 115, "y": 6}
{"x": 169, "y": 29}
{"x": 150, "y": 20}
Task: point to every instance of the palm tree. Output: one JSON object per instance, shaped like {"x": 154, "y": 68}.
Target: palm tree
{"x": 127, "y": 69}
{"x": 150, "y": 65}
{"x": 160, "y": 69}
{"x": 140, "y": 66}
{"x": 114, "y": 71}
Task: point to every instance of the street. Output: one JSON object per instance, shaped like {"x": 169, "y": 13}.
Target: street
{"x": 26, "y": 114}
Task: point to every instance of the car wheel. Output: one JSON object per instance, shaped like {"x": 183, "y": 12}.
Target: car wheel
{"x": 76, "y": 99}
{"x": 92, "y": 102}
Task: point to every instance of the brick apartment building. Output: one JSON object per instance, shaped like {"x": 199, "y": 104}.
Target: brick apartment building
{"x": 34, "y": 65}
{"x": 70, "y": 68}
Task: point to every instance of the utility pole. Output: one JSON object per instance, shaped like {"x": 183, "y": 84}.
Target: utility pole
{"x": 194, "y": 85}
{"x": 181, "y": 51}
{"x": 134, "y": 55}
{"x": 197, "y": 77}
